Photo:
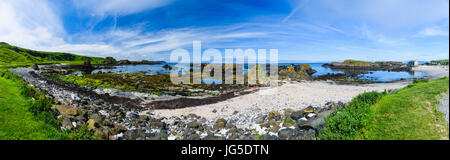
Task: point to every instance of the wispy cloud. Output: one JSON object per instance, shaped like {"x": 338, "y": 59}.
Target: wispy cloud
{"x": 121, "y": 7}
{"x": 297, "y": 6}
{"x": 379, "y": 38}
{"x": 434, "y": 31}
{"x": 313, "y": 29}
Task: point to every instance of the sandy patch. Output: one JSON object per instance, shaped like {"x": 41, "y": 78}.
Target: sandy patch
{"x": 433, "y": 72}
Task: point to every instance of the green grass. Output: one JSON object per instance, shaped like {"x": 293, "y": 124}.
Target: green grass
{"x": 355, "y": 62}
{"x": 414, "y": 116}
{"x": 12, "y": 56}
{"x": 409, "y": 113}
{"x": 440, "y": 61}
{"x": 26, "y": 114}
{"x": 17, "y": 122}
{"x": 349, "y": 122}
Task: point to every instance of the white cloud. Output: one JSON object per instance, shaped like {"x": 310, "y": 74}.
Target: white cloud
{"x": 121, "y": 7}
{"x": 29, "y": 24}
{"x": 434, "y": 31}
{"x": 378, "y": 37}
{"x": 38, "y": 27}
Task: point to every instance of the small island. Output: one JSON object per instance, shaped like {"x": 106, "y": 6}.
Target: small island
{"x": 374, "y": 66}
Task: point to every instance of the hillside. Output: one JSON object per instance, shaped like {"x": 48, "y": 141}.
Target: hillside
{"x": 16, "y": 56}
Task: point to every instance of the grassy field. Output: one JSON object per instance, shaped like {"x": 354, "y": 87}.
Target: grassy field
{"x": 12, "y": 56}
{"x": 408, "y": 114}
{"x": 24, "y": 113}
{"x": 16, "y": 119}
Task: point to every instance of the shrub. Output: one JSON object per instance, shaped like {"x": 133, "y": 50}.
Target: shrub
{"x": 348, "y": 123}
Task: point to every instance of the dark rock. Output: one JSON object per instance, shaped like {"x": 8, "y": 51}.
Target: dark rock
{"x": 93, "y": 124}
{"x": 220, "y": 123}
{"x": 296, "y": 115}
{"x": 157, "y": 125}
{"x": 66, "y": 110}
{"x": 268, "y": 137}
{"x": 286, "y": 134}
{"x": 193, "y": 137}
{"x": 35, "y": 66}
{"x": 96, "y": 117}
{"x": 304, "y": 135}
{"x": 134, "y": 134}
{"x": 67, "y": 124}
{"x": 193, "y": 124}
{"x": 98, "y": 102}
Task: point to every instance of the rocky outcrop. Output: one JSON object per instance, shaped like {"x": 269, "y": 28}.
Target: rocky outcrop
{"x": 110, "y": 61}
{"x": 361, "y": 65}
{"x": 296, "y": 72}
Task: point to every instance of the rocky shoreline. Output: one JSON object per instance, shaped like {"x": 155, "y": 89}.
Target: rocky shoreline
{"x": 116, "y": 118}
{"x": 115, "y": 115}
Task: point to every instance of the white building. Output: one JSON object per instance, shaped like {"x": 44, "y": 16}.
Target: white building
{"x": 413, "y": 63}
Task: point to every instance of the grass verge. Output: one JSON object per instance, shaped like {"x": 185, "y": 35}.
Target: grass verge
{"x": 26, "y": 114}
{"x": 408, "y": 114}
{"x": 17, "y": 120}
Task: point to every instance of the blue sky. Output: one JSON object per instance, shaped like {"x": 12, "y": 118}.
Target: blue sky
{"x": 302, "y": 30}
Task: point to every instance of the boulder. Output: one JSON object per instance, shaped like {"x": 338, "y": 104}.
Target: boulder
{"x": 286, "y": 134}
{"x": 274, "y": 115}
{"x": 193, "y": 124}
{"x": 134, "y": 134}
{"x": 65, "y": 110}
{"x": 35, "y": 66}
{"x": 296, "y": 115}
{"x": 92, "y": 124}
{"x": 67, "y": 124}
{"x": 220, "y": 123}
